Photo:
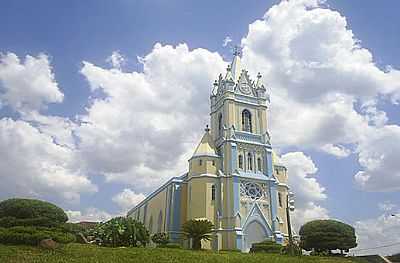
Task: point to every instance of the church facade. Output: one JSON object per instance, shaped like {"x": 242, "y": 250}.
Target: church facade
{"x": 234, "y": 178}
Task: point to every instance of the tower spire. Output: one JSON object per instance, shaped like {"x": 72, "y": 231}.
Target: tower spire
{"x": 235, "y": 65}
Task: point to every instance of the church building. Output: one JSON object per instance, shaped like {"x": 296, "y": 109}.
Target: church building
{"x": 234, "y": 179}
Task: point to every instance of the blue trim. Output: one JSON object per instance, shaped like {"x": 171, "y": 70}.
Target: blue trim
{"x": 178, "y": 179}
{"x": 233, "y": 163}
{"x": 274, "y": 203}
{"x": 236, "y": 194}
{"x": 239, "y": 240}
{"x": 176, "y": 221}
{"x": 269, "y": 167}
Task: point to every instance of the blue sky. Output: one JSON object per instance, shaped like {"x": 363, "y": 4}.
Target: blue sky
{"x": 72, "y": 32}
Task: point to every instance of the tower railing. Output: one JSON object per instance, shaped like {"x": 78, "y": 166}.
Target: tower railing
{"x": 248, "y": 137}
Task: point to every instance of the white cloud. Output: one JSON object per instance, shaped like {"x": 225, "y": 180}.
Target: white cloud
{"x": 116, "y": 60}
{"x": 31, "y": 164}
{"x": 27, "y": 85}
{"x": 226, "y": 41}
{"x": 378, "y": 232}
{"x": 127, "y": 199}
{"x": 91, "y": 214}
{"x": 308, "y": 192}
{"x": 148, "y": 121}
{"x": 378, "y": 157}
{"x": 387, "y": 206}
{"x": 316, "y": 68}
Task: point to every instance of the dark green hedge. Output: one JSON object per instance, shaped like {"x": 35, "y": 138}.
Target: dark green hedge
{"x": 266, "y": 247}
{"x": 38, "y": 221}
{"x": 32, "y": 209}
{"x": 33, "y": 235}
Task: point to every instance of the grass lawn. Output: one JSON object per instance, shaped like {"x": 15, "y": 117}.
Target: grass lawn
{"x": 92, "y": 253}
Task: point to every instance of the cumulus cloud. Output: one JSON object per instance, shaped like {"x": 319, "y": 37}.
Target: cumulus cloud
{"x": 308, "y": 192}
{"x": 147, "y": 121}
{"x": 387, "y": 206}
{"x": 127, "y": 199}
{"x": 31, "y": 164}
{"x": 116, "y": 60}
{"x": 91, "y": 214}
{"x": 382, "y": 233}
{"x": 378, "y": 156}
{"x": 27, "y": 85}
{"x": 37, "y": 152}
{"x": 315, "y": 66}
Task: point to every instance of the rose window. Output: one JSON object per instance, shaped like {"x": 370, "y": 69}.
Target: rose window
{"x": 251, "y": 190}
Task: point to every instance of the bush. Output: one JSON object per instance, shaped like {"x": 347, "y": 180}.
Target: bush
{"x": 122, "y": 231}
{"x": 28, "y": 212}
{"x": 266, "y": 247}
{"x": 170, "y": 245}
{"x": 160, "y": 238}
{"x": 32, "y": 235}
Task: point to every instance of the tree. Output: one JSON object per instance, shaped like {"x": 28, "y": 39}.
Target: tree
{"x": 197, "y": 230}
{"x": 30, "y": 212}
{"x": 122, "y": 231}
{"x": 327, "y": 235}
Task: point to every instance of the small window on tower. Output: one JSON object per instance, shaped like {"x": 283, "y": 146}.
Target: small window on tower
{"x": 246, "y": 121}
{"x": 213, "y": 163}
{"x": 213, "y": 192}
{"x": 241, "y": 161}
{"x": 259, "y": 164}
{"x": 220, "y": 125}
{"x": 280, "y": 199}
{"x": 249, "y": 162}
{"x": 200, "y": 162}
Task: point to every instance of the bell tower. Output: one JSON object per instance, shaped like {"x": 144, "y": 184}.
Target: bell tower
{"x": 239, "y": 129}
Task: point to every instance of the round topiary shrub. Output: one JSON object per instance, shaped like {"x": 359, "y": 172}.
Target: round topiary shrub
{"x": 30, "y": 212}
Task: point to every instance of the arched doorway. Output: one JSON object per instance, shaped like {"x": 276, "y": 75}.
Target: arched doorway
{"x": 254, "y": 232}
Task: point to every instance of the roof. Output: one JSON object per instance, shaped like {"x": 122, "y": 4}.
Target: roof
{"x": 206, "y": 146}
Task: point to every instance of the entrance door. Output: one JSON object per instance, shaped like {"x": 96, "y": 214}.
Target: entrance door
{"x": 254, "y": 233}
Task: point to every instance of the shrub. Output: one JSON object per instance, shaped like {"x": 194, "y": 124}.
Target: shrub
{"x": 32, "y": 235}
{"x": 160, "y": 238}
{"x": 122, "y": 231}
{"x": 30, "y": 212}
{"x": 170, "y": 245}
{"x": 267, "y": 246}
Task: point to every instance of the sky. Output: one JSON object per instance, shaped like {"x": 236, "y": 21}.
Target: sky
{"x": 103, "y": 101}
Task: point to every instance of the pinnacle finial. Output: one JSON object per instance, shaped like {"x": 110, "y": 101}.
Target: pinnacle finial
{"x": 259, "y": 75}
{"x": 207, "y": 129}
{"x": 215, "y": 83}
{"x": 237, "y": 51}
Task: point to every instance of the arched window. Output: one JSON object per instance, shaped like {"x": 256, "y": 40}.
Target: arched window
{"x": 151, "y": 225}
{"x": 246, "y": 121}
{"x": 220, "y": 125}
{"x": 249, "y": 162}
{"x": 213, "y": 192}
{"x": 241, "y": 161}
{"x": 200, "y": 162}
{"x": 160, "y": 221}
{"x": 259, "y": 164}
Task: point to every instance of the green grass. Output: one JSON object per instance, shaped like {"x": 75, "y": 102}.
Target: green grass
{"x": 94, "y": 254}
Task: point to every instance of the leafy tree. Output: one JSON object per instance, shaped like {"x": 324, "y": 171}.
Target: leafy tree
{"x": 326, "y": 235}
{"x": 160, "y": 239}
{"x": 30, "y": 212}
{"x": 197, "y": 230}
{"x": 122, "y": 231}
